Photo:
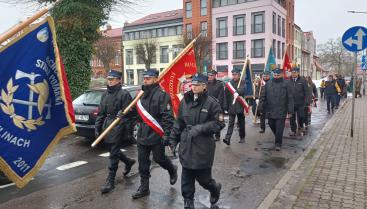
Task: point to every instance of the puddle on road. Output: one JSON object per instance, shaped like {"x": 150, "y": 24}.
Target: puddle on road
{"x": 254, "y": 166}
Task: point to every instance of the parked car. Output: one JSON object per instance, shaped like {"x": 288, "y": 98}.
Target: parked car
{"x": 86, "y": 108}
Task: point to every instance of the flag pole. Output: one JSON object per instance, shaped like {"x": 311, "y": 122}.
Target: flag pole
{"x": 241, "y": 77}
{"x": 140, "y": 94}
{"x": 286, "y": 49}
{"x": 15, "y": 29}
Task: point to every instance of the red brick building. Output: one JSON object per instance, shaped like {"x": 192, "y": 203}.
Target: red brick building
{"x": 197, "y": 17}
{"x": 289, "y": 5}
{"x": 115, "y": 36}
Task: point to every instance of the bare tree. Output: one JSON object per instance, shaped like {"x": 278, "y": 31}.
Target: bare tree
{"x": 202, "y": 48}
{"x": 335, "y": 57}
{"x": 105, "y": 51}
{"x": 146, "y": 51}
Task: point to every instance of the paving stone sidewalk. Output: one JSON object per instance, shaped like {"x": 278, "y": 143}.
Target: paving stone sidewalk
{"x": 339, "y": 177}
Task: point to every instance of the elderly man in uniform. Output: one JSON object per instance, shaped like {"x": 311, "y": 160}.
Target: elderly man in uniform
{"x": 155, "y": 105}
{"x": 113, "y": 101}
{"x": 216, "y": 90}
{"x": 266, "y": 78}
{"x": 276, "y": 102}
{"x": 199, "y": 117}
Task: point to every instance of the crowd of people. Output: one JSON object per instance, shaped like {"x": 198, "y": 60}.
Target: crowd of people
{"x": 200, "y": 119}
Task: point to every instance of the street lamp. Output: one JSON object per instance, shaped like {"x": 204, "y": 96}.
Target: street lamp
{"x": 357, "y": 12}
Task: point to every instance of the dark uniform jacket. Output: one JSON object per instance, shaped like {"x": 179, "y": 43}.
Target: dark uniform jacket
{"x": 216, "y": 90}
{"x": 196, "y": 123}
{"x": 277, "y": 100}
{"x": 312, "y": 92}
{"x": 262, "y": 93}
{"x": 158, "y": 104}
{"x": 235, "y": 108}
{"x": 300, "y": 91}
{"x": 113, "y": 100}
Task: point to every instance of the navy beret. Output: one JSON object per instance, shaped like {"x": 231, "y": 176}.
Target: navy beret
{"x": 277, "y": 71}
{"x": 212, "y": 72}
{"x": 114, "y": 74}
{"x": 236, "y": 70}
{"x": 296, "y": 69}
{"x": 199, "y": 78}
{"x": 151, "y": 73}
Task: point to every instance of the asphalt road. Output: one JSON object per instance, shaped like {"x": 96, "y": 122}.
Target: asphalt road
{"x": 73, "y": 174}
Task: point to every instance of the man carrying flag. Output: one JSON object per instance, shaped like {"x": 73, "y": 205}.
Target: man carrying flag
{"x": 287, "y": 66}
{"x": 36, "y": 109}
{"x": 156, "y": 114}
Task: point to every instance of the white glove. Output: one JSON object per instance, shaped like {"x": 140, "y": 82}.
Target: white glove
{"x": 257, "y": 101}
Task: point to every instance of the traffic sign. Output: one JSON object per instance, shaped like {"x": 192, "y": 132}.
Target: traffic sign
{"x": 355, "y": 39}
{"x": 364, "y": 63}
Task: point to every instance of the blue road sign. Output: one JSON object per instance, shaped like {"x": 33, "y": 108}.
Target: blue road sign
{"x": 355, "y": 39}
{"x": 364, "y": 63}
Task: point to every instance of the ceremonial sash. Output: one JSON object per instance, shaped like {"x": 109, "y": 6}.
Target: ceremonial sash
{"x": 149, "y": 120}
{"x": 239, "y": 98}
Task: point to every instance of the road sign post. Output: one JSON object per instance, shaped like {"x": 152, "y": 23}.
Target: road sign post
{"x": 354, "y": 40}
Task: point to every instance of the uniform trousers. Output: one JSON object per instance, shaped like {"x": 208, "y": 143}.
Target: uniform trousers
{"x": 299, "y": 115}
{"x": 115, "y": 156}
{"x": 277, "y": 127}
{"x": 241, "y": 124}
{"x": 203, "y": 176}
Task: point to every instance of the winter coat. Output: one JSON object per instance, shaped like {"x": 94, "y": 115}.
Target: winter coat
{"x": 300, "y": 91}
{"x": 112, "y": 101}
{"x": 331, "y": 87}
{"x": 312, "y": 93}
{"x": 277, "y": 100}
{"x": 216, "y": 90}
{"x": 196, "y": 123}
{"x": 235, "y": 108}
{"x": 158, "y": 104}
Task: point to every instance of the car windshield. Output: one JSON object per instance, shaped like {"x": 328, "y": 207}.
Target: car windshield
{"x": 89, "y": 98}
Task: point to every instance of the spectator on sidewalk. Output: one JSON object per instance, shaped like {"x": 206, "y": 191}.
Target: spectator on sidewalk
{"x": 341, "y": 82}
{"x": 332, "y": 90}
{"x": 312, "y": 98}
{"x": 322, "y": 89}
{"x": 358, "y": 87}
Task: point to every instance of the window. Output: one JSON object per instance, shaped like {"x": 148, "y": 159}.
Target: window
{"x": 274, "y": 23}
{"x": 172, "y": 31}
{"x": 230, "y": 2}
{"x": 165, "y": 32}
{"x": 283, "y": 52}
{"x": 222, "y": 51}
{"x": 216, "y": 3}
{"x": 164, "y": 54}
{"x": 257, "y": 50}
{"x": 159, "y": 32}
{"x": 258, "y": 25}
{"x": 136, "y": 36}
{"x": 204, "y": 29}
{"x": 274, "y": 48}
{"x": 203, "y": 8}
{"x": 188, "y": 9}
{"x": 117, "y": 58}
{"x": 189, "y": 31}
{"x": 177, "y": 49}
{"x": 223, "y": 2}
{"x": 179, "y": 30}
{"x": 139, "y": 60}
{"x": 279, "y": 57}
{"x": 140, "y": 76}
{"x": 239, "y": 50}
{"x": 279, "y": 26}
{"x": 222, "y": 27}
{"x": 283, "y": 27}
{"x": 130, "y": 77}
{"x": 239, "y": 25}
{"x": 153, "y": 33}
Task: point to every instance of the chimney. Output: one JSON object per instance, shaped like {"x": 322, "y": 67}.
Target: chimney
{"x": 109, "y": 27}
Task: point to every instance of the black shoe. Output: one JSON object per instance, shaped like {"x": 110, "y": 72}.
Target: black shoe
{"x": 143, "y": 189}
{"x": 128, "y": 166}
{"x": 242, "y": 140}
{"x": 277, "y": 148}
{"x": 293, "y": 133}
{"x": 173, "y": 175}
{"x": 214, "y": 196}
{"x": 189, "y": 204}
{"x": 227, "y": 141}
{"x": 262, "y": 131}
{"x": 217, "y": 138}
{"x": 109, "y": 185}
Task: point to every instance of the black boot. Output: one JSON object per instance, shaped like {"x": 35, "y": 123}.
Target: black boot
{"x": 262, "y": 131}
{"x": 110, "y": 183}
{"x": 227, "y": 141}
{"x": 173, "y": 175}
{"x": 143, "y": 189}
{"x": 128, "y": 166}
{"x": 189, "y": 204}
{"x": 242, "y": 140}
{"x": 215, "y": 193}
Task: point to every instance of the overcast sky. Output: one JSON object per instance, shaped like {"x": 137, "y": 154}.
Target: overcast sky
{"x": 326, "y": 18}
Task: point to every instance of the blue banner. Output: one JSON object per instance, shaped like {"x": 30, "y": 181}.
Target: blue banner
{"x": 270, "y": 63}
{"x": 36, "y": 110}
{"x": 249, "y": 87}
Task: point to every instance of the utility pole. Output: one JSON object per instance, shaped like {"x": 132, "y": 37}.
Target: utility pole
{"x": 364, "y": 79}
{"x": 354, "y": 77}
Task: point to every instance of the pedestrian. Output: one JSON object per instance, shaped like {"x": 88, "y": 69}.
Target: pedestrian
{"x": 254, "y": 102}
{"x": 216, "y": 90}
{"x": 235, "y": 109}
{"x": 312, "y": 98}
{"x": 199, "y": 117}
{"x": 113, "y": 101}
{"x": 300, "y": 95}
{"x": 358, "y": 88}
{"x": 341, "y": 83}
{"x": 276, "y": 102}
{"x": 156, "y": 114}
{"x": 322, "y": 89}
{"x": 266, "y": 79}
{"x": 332, "y": 89}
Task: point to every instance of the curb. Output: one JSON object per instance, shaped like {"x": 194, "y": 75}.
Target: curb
{"x": 274, "y": 193}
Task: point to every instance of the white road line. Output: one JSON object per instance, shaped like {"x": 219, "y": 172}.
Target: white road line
{"x": 71, "y": 165}
{"x": 107, "y": 154}
{"x": 9, "y": 185}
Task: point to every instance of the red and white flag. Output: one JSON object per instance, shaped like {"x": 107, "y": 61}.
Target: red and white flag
{"x": 239, "y": 98}
{"x": 174, "y": 77}
{"x": 287, "y": 66}
{"x": 149, "y": 119}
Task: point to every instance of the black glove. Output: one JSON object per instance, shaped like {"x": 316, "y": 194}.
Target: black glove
{"x": 194, "y": 131}
{"x": 96, "y": 133}
{"x": 120, "y": 114}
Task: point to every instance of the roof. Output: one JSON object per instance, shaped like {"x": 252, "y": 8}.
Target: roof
{"x": 158, "y": 17}
{"x": 116, "y": 32}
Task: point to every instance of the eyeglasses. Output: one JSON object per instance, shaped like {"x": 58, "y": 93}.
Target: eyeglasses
{"x": 276, "y": 75}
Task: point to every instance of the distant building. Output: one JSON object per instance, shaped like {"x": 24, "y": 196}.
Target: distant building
{"x": 289, "y": 5}
{"x": 165, "y": 29}
{"x": 308, "y": 67}
{"x": 247, "y": 28}
{"x": 115, "y": 36}
{"x": 297, "y": 45}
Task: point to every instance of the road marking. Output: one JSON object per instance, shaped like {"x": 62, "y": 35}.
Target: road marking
{"x": 107, "y": 154}
{"x": 71, "y": 165}
{"x": 9, "y": 185}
